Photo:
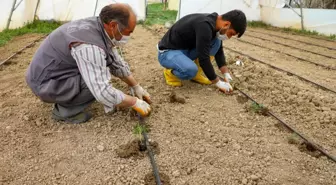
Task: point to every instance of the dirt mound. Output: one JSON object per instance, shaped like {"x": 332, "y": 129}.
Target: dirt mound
{"x": 173, "y": 97}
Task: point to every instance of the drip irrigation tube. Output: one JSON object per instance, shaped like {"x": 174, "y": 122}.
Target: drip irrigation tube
{"x": 18, "y": 52}
{"x": 312, "y": 44}
{"x": 315, "y": 146}
{"x": 326, "y": 67}
{"x": 291, "y": 46}
{"x": 150, "y": 152}
{"x": 279, "y": 69}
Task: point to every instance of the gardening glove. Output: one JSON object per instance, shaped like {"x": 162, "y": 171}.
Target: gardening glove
{"x": 142, "y": 107}
{"x": 227, "y": 77}
{"x": 141, "y": 93}
{"x": 224, "y": 86}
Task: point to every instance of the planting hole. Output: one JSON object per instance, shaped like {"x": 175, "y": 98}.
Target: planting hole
{"x": 150, "y": 179}
{"x": 136, "y": 150}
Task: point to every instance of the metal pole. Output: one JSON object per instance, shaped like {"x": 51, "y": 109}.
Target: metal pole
{"x": 10, "y": 14}
{"x": 179, "y": 10}
{"x": 301, "y": 12}
{"x": 18, "y": 5}
{"x": 37, "y": 4}
{"x": 95, "y": 8}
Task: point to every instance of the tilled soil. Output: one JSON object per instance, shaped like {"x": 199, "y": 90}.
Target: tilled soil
{"x": 308, "y": 39}
{"x": 328, "y": 62}
{"x": 307, "y": 70}
{"x": 16, "y": 44}
{"x": 211, "y": 138}
{"x": 295, "y": 45}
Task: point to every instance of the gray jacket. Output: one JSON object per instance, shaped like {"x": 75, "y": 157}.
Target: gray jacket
{"x": 53, "y": 74}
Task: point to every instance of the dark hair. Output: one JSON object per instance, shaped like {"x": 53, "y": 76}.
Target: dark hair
{"x": 237, "y": 19}
{"x": 117, "y": 13}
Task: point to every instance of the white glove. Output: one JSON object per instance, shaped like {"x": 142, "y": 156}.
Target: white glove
{"x": 227, "y": 77}
{"x": 140, "y": 93}
{"x": 142, "y": 107}
{"x": 224, "y": 86}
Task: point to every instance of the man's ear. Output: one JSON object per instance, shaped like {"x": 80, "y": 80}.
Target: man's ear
{"x": 226, "y": 25}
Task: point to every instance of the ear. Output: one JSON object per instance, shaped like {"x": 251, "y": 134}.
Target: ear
{"x": 226, "y": 25}
{"x": 113, "y": 24}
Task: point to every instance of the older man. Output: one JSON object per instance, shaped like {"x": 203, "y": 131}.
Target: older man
{"x": 73, "y": 66}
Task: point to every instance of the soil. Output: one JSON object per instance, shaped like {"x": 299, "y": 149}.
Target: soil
{"x": 132, "y": 149}
{"x": 150, "y": 179}
{"x": 307, "y": 70}
{"x": 309, "y": 39}
{"x": 176, "y": 98}
{"x": 16, "y": 44}
{"x": 210, "y": 139}
{"x": 329, "y": 62}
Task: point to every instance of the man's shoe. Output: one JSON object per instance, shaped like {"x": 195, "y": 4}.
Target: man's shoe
{"x": 79, "y": 118}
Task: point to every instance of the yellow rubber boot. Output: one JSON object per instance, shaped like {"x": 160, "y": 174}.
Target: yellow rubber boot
{"x": 212, "y": 58}
{"x": 200, "y": 78}
{"x": 171, "y": 79}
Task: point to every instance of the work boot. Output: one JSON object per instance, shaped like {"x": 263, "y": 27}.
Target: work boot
{"x": 76, "y": 119}
{"x": 200, "y": 78}
{"x": 171, "y": 79}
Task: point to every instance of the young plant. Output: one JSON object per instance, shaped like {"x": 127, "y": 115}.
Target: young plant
{"x": 138, "y": 130}
{"x": 259, "y": 108}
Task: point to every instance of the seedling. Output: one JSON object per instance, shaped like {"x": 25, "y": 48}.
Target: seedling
{"x": 138, "y": 130}
{"x": 259, "y": 108}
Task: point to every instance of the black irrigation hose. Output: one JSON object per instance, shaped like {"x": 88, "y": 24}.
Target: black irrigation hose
{"x": 20, "y": 51}
{"x": 315, "y": 146}
{"x": 326, "y": 67}
{"x": 279, "y": 69}
{"x": 290, "y": 46}
{"x": 274, "y": 35}
{"x": 150, "y": 152}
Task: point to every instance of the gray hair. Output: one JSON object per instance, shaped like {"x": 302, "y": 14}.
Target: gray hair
{"x": 115, "y": 13}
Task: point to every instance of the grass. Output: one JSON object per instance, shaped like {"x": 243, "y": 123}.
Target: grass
{"x": 34, "y": 27}
{"x": 156, "y": 15}
{"x": 259, "y": 24}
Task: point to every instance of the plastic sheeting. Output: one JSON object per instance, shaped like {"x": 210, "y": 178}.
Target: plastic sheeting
{"x": 219, "y": 6}
{"x": 61, "y": 10}
{"x": 269, "y": 11}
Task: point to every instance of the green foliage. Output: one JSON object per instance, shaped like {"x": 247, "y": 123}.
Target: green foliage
{"x": 156, "y": 15}
{"x": 259, "y": 108}
{"x": 34, "y": 27}
{"x": 139, "y": 129}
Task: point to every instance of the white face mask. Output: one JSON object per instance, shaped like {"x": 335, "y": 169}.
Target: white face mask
{"x": 124, "y": 39}
{"x": 222, "y": 37}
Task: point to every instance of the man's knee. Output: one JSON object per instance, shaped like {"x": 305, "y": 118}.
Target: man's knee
{"x": 189, "y": 72}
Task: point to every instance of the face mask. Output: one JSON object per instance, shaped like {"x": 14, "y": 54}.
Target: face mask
{"x": 122, "y": 41}
{"x": 222, "y": 37}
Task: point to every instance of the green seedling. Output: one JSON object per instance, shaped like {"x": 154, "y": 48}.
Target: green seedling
{"x": 138, "y": 130}
{"x": 259, "y": 108}
{"x": 294, "y": 139}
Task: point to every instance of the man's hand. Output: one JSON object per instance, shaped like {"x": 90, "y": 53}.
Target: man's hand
{"x": 141, "y": 93}
{"x": 142, "y": 107}
{"x": 224, "y": 87}
{"x": 224, "y": 70}
{"x": 227, "y": 77}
